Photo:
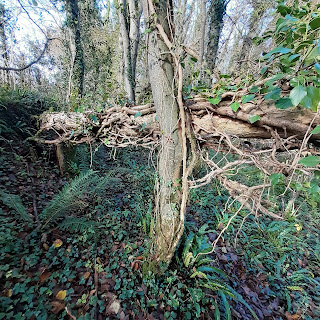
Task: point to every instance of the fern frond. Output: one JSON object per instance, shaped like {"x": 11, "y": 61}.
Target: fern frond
{"x": 73, "y": 196}
{"x": 80, "y": 225}
{"x": 14, "y": 202}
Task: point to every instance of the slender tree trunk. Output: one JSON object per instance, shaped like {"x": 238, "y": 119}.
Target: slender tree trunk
{"x": 216, "y": 13}
{"x": 78, "y": 63}
{"x": 3, "y": 44}
{"x": 168, "y": 224}
{"x": 129, "y": 28}
{"x": 203, "y": 13}
{"x": 134, "y": 35}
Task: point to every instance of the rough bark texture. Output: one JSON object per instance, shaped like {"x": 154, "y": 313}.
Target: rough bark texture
{"x": 3, "y": 44}
{"x": 161, "y": 75}
{"x": 216, "y": 13}
{"x": 203, "y": 14}
{"x": 129, "y": 17}
{"x": 78, "y": 62}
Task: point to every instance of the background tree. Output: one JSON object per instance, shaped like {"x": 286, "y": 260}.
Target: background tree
{"x": 129, "y": 18}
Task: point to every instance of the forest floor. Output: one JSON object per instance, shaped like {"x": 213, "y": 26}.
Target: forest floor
{"x": 90, "y": 262}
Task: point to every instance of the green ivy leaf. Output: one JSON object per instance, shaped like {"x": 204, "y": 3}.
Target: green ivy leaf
{"x": 235, "y": 106}
{"x": 316, "y": 130}
{"x": 293, "y": 57}
{"x": 254, "y": 118}
{"x": 297, "y": 94}
{"x": 215, "y": 100}
{"x": 274, "y": 94}
{"x": 263, "y": 70}
{"x": 254, "y": 89}
{"x": 311, "y": 100}
{"x": 315, "y": 23}
{"x": 247, "y": 98}
{"x": 138, "y": 114}
{"x": 283, "y": 103}
{"x": 312, "y": 56}
{"x": 275, "y": 178}
{"x": 279, "y": 49}
{"x": 310, "y": 161}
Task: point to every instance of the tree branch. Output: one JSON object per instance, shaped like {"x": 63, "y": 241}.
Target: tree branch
{"x": 32, "y": 62}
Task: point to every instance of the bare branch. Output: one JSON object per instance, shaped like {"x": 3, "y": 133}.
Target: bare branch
{"x": 32, "y": 62}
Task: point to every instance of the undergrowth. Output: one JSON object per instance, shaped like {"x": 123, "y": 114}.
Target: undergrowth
{"x": 99, "y": 226}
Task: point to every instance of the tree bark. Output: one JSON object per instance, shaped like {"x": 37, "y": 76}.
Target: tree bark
{"x": 129, "y": 17}
{"x": 3, "y": 44}
{"x": 161, "y": 73}
{"x": 203, "y": 14}
{"x": 78, "y": 63}
{"x": 216, "y": 14}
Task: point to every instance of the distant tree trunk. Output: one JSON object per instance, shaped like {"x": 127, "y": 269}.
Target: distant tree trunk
{"x": 3, "y": 44}
{"x": 168, "y": 223}
{"x": 216, "y": 14}
{"x": 203, "y": 14}
{"x": 129, "y": 17}
{"x": 259, "y": 8}
{"x": 78, "y": 63}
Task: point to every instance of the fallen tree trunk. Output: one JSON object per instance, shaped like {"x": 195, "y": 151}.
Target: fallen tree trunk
{"x": 139, "y": 122}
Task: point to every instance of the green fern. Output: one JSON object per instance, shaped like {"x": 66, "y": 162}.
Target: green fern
{"x": 74, "y": 196}
{"x": 80, "y": 226}
{"x": 14, "y": 202}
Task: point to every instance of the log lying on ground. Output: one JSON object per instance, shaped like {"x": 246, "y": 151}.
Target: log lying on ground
{"x": 139, "y": 122}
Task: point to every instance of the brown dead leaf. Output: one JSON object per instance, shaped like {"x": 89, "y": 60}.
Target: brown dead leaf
{"x": 57, "y": 243}
{"x": 44, "y": 276}
{"x": 290, "y": 316}
{"x": 220, "y": 226}
{"x": 57, "y": 306}
{"x": 86, "y": 275}
{"x": 45, "y": 246}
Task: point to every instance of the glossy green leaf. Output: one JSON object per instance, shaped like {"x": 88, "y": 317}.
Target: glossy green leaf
{"x": 215, "y": 100}
{"x": 254, "y": 89}
{"x": 235, "y": 106}
{"x": 315, "y": 23}
{"x": 274, "y": 94}
{"x": 310, "y": 161}
{"x": 280, "y": 50}
{"x": 254, "y": 118}
{"x": 275, "y": 178}
{"x": 206, "y": 269}
{"x": 283, "y": 103}
{"x": 316, "y": 130}
{"x": 317, "y": 67}
{"x": 297, "y": 94}
{"x": 312, "y": 56}
{"x": 311, "y": 100}
{"x": 263, "y": 70}
{"x": 247, "y": 98}
{"x": 293, "y": 57}
{"x": 226, "y": 305}
{"x": 138, "y": 114}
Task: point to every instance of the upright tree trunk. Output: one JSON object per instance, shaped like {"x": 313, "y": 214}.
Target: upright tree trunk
{"x": 216, "y": 14}
{"x": 168, "y": 223}
{"x": 203, "y": 14}
{"x": 78, "y": 63}
{"x": 129, "y": 28}
{"x": 3, "y": 44}
{"x": 259, "y": 8}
